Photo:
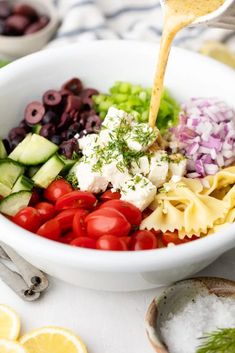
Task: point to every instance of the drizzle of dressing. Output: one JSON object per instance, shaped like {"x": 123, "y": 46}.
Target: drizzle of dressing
{"x": 178, "y": 14}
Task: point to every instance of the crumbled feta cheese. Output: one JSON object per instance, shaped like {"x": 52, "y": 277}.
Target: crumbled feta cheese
{"x": 178, "y": 165}
{"x": 176, "y": 178}
{"x": 88, "y": 180}
{"x": 115, "y": 117}
{"x": 141, "y": 137}
{"x": 139, "y": 191}
{"x": 141, "y": 166}
{"x": 159, "y": 167}
{"x": 88, "y": 143}
{"x": 116, "y": 172}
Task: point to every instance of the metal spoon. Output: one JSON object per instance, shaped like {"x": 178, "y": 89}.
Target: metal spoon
{"x": 223, "y": 17}
{"x": 176, "y": 297}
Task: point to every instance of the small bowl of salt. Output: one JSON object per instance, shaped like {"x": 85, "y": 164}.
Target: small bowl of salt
{"x": 180, "y": 319}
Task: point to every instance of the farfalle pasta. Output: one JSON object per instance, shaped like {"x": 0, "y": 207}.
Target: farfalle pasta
{"x": 190, "y": 208}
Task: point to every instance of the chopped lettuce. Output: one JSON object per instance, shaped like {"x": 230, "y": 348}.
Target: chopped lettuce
{"x": 135, "y": 99}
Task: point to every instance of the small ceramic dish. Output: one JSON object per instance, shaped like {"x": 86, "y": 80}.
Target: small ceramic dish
{"x": 176, "y": 297}
{"x": 16, "y": 46}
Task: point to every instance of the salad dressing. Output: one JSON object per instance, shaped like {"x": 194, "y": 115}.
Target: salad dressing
{"x": 178, "y": 14}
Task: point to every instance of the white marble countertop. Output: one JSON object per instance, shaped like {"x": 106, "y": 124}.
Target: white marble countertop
{"x": 107, "y": 322}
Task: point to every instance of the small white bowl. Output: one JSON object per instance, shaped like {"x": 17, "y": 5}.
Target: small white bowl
{"x": 14, "y": 47}
{"x": 99, "y": 65}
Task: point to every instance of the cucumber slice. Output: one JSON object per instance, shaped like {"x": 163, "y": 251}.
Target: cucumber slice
{"x": 15, "y": 202}
{"x": 48, "y": 172}
{"x": 35, "y": 150}
{"x": 4, "y": 190}
{"x": 68, "y": 164}
{"x": 17, "y": 152}
{"x": 33, "y": 170}
{"x": 22, "y": 183}
{"x": 36, "y": 128}
{"x": 3, "y": 152}
{"x": 9, "y": 172}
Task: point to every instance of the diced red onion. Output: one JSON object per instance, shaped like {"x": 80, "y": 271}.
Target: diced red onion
{"x": 206, "y": 135}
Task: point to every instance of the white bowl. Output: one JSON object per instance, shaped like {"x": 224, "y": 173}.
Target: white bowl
{"x": 100, "y": 64}
{"x": 15, "y": 47}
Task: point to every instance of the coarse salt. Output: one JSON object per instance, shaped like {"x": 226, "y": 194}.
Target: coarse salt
{"x": 183, "y": 331}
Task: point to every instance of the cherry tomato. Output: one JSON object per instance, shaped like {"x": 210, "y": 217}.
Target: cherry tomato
{"x": 76, "y": 199}
{"x": 65, "y": 218}
{"x": 110, "y": 242}
{"x": 143, "y": 240}
{"x": 109, "y": 195}
{"x": 46, "y": 210}
{"x": 131, "y": 212}
{"x": 84, "y": 242}
{"x": 50, "y": 230}
{"x": 127, "y": 240}
{"x": 79, "y": 226}
{"x": 147, "y": 212}
{"x": 57, "y": 189}
{"x": 171, "y": 237}
{"x": 35, "y": 198}
{"x": 67, "y": 238}
{"x": 107, "y": 221}
{"x": 28, "y": 218}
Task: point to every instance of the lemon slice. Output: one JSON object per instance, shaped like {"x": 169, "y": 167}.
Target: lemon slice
{"x": 9, "y": 323}
{"x": 7, "y": 346}
{"x": 219, "y": 52}
{"x": 52, "y": 340}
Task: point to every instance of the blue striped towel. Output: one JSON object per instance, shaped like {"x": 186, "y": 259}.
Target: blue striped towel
{"x": 124, "y": 19}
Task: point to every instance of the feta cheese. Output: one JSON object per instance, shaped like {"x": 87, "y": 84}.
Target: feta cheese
{"x": 115, "y": 117}
{"x": 116, "y": 172}
{"x": 141, "y": 137}
{"x": 178, "y": 165}
{"x": 139, "y": 191}
{"x": 141, "y": 166}
{"x": 88, "y": 180}
{"x": 88, "y": 143}
{"x": 159, "y": 168}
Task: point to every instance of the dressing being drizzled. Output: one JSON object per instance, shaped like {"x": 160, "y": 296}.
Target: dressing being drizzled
{"x": 178, "y": 14}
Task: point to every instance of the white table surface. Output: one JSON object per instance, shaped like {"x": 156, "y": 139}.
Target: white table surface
{"x": 107, "y": 322}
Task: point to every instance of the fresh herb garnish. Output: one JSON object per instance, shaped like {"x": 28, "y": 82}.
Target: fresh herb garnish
{"x": 220, "y": 341}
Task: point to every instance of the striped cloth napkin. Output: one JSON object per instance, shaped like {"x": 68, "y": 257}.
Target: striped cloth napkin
{"x": 83, "y": 20}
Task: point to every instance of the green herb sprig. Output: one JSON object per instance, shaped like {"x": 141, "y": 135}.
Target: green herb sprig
{"x": 220, "y": 341}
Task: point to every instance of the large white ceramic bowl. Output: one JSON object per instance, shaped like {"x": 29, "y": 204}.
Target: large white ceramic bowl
{"x": 99, "y": 64}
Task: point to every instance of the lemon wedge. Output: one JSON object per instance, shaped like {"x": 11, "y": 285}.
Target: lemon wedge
{"x": 219, "y": 52}
{"x": 7, "y": 346}
{"x": 9, "y": 323}
{"x": 52, "y": 339}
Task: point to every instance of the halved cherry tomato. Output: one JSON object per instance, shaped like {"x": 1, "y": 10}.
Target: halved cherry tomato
{"x": 67, "y": 238}
{"x": 76, "y": 199}
{"x": 35, "y": 198}
{"x": 147, "y": 212}
{"x": 65, "y": 218}
{"x": 84, "y": 242}
{"x": 143, "y": 240}
{"x": 172, "y": 237}
{"x": 110, "y": 242}
{"x": 28, "y": 218}
{"x": 131, "y": 212}
{"x": 79, "y": 226}
{"x": 109, "y": 195}
{"x": 46, "y": 210}
{"x": 57, "y": 189}
{"x": 107, "y": 221}
{"x": 50, "y": 230}
{"x": 127, "y": 240}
